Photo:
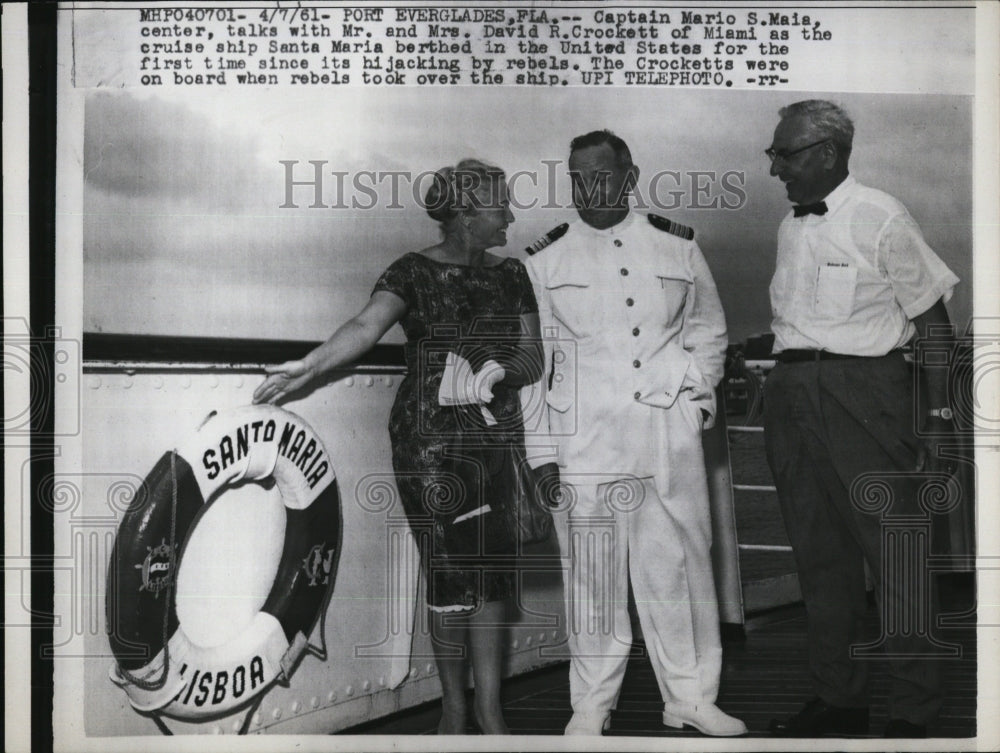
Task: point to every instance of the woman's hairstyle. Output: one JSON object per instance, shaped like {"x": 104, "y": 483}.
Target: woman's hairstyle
{"x": 454, "y": 190}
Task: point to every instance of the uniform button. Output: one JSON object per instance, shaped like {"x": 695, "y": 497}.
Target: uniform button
{"x": 629, "y": 302}
{"x": 635, "y": 331}
{"x": 637, "y": 363}
{"x": 638, "y": 395}
{"x": 618, "y": 243}
{"x": 624, "y": 272}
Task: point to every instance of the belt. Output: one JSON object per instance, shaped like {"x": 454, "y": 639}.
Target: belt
{"x": 798, "y": 356}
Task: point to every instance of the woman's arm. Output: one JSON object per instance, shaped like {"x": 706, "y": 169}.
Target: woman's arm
{"x": 509, "y": 365}
{"x": 349, "y": 342}
{"x": 523, "y": 363}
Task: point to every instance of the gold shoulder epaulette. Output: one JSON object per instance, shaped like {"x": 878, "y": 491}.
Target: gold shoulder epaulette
{"x": 669, "y": 226}
{"x": 550, "y": 237}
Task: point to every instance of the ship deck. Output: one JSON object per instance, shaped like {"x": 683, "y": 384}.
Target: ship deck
{"x": 764, "y": 668}
{"x": 764, "y": 676}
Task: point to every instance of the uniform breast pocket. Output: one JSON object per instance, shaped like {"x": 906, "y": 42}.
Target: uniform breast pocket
{"x": 835, "y": 286}
{"x": 573, "y": 304}
{"x": 672, "y": 291}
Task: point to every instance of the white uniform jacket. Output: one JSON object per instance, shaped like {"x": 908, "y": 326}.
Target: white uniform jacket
{"x": 633, "y": 330}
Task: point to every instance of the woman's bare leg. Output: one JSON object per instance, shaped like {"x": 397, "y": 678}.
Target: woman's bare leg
{"x": 487, "y": 631}
{"x": 450, "y": 651}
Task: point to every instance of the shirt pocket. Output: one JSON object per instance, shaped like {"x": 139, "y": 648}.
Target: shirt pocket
{"x": 574, "y": 305}
{"x": 835, "y": 288}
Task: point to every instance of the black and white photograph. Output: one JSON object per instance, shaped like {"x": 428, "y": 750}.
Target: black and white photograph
{"x": 442, "y": 376}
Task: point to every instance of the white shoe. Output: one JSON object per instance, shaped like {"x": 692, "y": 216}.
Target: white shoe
{"x": 588, "y": 723}
{"x": 707, "y": 718}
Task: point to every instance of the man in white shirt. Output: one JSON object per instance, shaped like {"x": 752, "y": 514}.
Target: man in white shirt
{"x": 854, "y": 282}
{"x": 635, "y": 345}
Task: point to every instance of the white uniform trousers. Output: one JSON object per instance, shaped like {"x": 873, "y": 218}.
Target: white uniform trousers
{"x": 624, "y": 527}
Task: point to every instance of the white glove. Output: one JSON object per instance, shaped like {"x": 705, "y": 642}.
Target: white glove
{"x": 485, "y": 379}
{"x": 460, "y": 386}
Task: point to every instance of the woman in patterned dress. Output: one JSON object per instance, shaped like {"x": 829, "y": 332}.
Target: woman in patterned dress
{"x": 452, "y": 299}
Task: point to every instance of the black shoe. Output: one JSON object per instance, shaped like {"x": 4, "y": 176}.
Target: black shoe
{"x": 899, "y": 728}
{"x": 818, "y": 718}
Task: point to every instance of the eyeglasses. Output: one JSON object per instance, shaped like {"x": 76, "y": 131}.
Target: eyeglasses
{"x": 772, "y": 154}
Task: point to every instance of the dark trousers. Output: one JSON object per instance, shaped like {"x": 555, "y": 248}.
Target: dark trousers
{"x": 841, "y": 446}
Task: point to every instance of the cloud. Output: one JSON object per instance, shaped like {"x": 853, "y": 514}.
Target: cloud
{"x": 194, "y": 186}
{"x": 165, "y": 150}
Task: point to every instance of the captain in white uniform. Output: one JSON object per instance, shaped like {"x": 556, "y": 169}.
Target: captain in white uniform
{"x": 635, "y": 345}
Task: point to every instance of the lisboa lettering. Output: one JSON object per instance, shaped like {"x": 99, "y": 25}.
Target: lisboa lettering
{"x": 215, "y": 688}
{"x": 294, "y": 444}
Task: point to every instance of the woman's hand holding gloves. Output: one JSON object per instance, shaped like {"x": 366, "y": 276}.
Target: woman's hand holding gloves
{"x": 461, "y": 386}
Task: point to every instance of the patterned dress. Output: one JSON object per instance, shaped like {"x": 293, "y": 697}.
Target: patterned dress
{"x": 450, "y": 464}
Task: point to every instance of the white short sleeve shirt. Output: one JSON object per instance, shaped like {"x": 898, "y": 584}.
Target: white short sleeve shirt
{"x": 850, "y": 281}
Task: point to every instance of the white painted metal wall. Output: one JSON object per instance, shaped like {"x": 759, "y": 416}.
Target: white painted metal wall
{"x": 379, "y": 658}
{"x": 378, "y": 652}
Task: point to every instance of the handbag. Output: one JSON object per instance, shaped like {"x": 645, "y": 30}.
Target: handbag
{"x": 533, "y": 517}
{"x": 521, "y": 515}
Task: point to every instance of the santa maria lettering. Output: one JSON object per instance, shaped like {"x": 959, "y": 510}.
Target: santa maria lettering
{"x": 294, "y": 443}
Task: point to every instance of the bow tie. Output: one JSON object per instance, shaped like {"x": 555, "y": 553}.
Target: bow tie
{"x": 803, "y": 209}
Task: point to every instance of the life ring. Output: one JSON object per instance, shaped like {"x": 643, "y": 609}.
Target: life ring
{"x": 157, "y": 665}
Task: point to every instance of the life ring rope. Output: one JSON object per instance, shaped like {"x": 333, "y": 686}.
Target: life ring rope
{"x": 162, "y": 679}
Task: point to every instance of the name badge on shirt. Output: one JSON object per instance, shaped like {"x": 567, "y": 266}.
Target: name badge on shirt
{"x": 835, "y": 286}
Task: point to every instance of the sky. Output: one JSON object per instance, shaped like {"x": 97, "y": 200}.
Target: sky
{"x": 185, "y": 232}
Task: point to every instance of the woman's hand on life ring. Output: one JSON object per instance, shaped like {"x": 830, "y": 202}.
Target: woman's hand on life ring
{"x": 282, "y": 379}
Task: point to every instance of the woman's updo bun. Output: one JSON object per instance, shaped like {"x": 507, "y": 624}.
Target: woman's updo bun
{"x": 440, "y": 199}
{"x": 454, "y": 190}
